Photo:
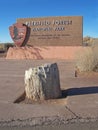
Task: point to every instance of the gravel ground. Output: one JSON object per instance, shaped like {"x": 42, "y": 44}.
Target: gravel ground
{"x": 82, "y": 124}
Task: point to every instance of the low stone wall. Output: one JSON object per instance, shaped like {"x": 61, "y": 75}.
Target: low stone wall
{"x": 45, "y": 52}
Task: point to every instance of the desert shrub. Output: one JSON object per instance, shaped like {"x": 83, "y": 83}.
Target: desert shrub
{"x": 95, "y": 53}
{"x": 7, "y": 45}
{"x": 88, "y": 41}
{"x": 2, "y": 48}
{"x": 87, "y": 60}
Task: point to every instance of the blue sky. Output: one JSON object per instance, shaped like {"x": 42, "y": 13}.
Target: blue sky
{"x": 10, "y": 10}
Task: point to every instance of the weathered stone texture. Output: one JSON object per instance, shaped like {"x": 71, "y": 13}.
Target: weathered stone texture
{"x": 46, "y": 52}
{"x": 42, "y": 82}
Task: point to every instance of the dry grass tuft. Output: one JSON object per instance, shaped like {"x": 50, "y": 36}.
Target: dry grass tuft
{"x": 87, "y": 60}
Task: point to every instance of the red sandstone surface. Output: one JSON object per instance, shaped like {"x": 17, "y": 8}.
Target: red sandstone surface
{"x": 44, "y": 52}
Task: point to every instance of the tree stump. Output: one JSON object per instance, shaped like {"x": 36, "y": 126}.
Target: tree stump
{"x": 42, "y": 82}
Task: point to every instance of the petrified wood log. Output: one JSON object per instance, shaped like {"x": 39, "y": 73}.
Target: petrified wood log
{"x": 42, "y": 82}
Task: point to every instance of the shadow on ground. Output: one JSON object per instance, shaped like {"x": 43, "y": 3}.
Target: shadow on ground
{"x": 80, "y": 91}
{"x": 67, "y": 92}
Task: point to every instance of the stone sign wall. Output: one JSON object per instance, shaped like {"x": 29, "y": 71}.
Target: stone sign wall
{"x": 54, "y": 31}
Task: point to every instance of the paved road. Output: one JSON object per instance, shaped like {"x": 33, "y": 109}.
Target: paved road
{"x": 81, "y": 101}
{"x": 75, "y": 126}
